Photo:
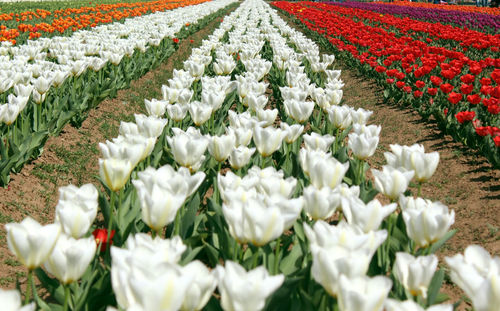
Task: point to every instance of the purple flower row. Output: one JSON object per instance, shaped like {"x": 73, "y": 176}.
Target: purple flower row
{"x": 479, "y": 21}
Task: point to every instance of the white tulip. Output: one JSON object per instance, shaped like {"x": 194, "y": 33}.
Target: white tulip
{"x": 320, "y": 203}
{"x": 426, "y": 221}
{"x": 200, "y": 112}
{"x": 240, "y": 157}
{"x": 340, "y": 116}
{"x": 300, "y": 111}
{"x": 363, "y": 293}
{"x": 478, "y": 275}
{"x": 327, "y": 172}
{"x": 115, "y": 172}
{"x": 220, "y": 147}
{"x": 415, "y": 273}
{"x": 188, "y": 148}
{"x": 201, "y": 288}
{"x": 292, "y": 132}
{"x": 76, "y": 209}
{"x": 10, "y": 300}
{"x": 31, "y": 242}
{"x": 70, "y": 258}
{"x": 391, "y": 182}
{"x": 267, "y": 140}
{"x": 156, "y": 107}
{"x": 245, "y": 291}
{"x": 368, "y": 216}
{"x": 177, "y": 112}
{"x": 410, "y": 305}
{"x": 317, "y": 141}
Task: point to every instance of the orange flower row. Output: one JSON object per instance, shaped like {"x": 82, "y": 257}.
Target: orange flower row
{"x": 73, "y": 19}
{"x": 463, "y": 8}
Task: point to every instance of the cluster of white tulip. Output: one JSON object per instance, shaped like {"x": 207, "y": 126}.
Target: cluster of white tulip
{"x": 62, "y": 247}
{"x": 30, "y": 71}
{"x": 150, "y": 273}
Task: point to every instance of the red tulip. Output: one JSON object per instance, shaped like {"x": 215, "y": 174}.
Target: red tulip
{"x": 101, "y": 237}
{"x": 446, "y": 88}
{"x": 454, "y": 97}
{"x": 465, "y": 116}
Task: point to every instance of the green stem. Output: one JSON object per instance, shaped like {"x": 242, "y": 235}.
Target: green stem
{"x": 33, "y": 286}
{"x": 419, "y": 189}
{"x": 255, "y": 257}
{"x": 361, "y": 172}
{"x": 111, "y": 212}
{"x": 277, "y": 256}
{"x": 28, "y": 289}
{"x": 66, "y": 297}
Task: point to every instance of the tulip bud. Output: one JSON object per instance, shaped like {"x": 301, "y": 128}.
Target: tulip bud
{"x": 391, "y": 182}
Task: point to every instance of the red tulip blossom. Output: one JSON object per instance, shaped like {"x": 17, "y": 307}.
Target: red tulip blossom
{"x": 454, "y": 98}
{"x": 101, "y": 237}
{"x": 465, "y": 116}
{"x": 446, "y": 88}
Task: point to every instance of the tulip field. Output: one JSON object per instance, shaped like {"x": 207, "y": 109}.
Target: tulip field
{"x": 445, "y": 71}
{"x": 248, "y": 184}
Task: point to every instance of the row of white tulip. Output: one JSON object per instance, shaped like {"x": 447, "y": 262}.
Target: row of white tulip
{"x": 260, "y": 205}
{"x": 30, "y": 69}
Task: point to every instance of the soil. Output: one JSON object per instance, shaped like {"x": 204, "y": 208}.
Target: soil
{"x": 464, "y": 180}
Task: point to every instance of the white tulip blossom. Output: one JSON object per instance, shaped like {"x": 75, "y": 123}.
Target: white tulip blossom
{"x": 201, "y": 288}
{"x": 363, "y": 293}
{"x": 245, "y": 291}
{"x": 320, "y": 203}
{"x": 10, "y": 300}
{"x": 367, "y": 216}
{"x": 220, "y": 147}
{"x": 267, "y": 140}
{"x": 318, "y": 142}
{"x": 426, "y": 221}
{"x": 477, "y": 273}
{"x": 413, "y": 158}
{"x": 240, "y": 157}
{"x": 188, "y": 147}
{"x": 31, "y": 242}
{"x": 76, "y": 209}
{"x": 70, "y": 258}
{"x": 391, "y": 182}
{"x": 415, "y": 273}
{"x": 292, "y": 132}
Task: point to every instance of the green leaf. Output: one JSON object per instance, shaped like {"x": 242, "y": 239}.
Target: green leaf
{"x": 433, "y": 290}
{"x": 291, "y": 262}
{"x": 443, "y": 240}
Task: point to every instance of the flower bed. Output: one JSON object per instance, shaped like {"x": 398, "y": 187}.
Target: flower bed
{"x": 258, "y": 215}
{"x": 437, "y": 81}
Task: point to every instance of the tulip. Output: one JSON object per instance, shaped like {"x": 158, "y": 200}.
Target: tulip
{"x": 267, "y": 140}
{"x": 9, "y": 113}
{"x": 426, "y": 221}
{"x": 115, "y": 172}
{"x": 360, "y": 116}
{"x": 320, "y": 203}
{"x": 195, "y": 70}
{"x": 150, "y": 127}
{"x": 413, "y": 158}
{"x": 340, "y": 116}
{"x": 317, "y": 141}
{"x": 391, "y": 182}
{"x": 213, "y": 99}
{"x": 369, "y": 216}
{"x": 11, "y": 301}
{"x": 245, "y": 291}
{"x": 332, "y": 74}
{"x": 171, "y": 94}
{"x": 161, "y": 193}
{"x": 300, "y": 111}
{"x": 243, "y": 135}
{"x": 415, "y": 274}
{"x": 220, "y": 147}
{"x": 363, "y": 293}
{"x": 327, "y": 172}
{"x": 155, "y": 107}
{"x": 188, "y": 148}
{"x": 185, "y": 96}
{"x": 251, "y": 220}
{"x": 478, "y": 275}
{"x": 76, "y": 209}
{"x": 177, "y": 112}
{"x": 31, "y": 242}
{"x": 256, "y": 102}
{"x": 70, "y": 258}
{"x": 363, "y": 146}
{"x": 267, "y": 116}
{"x": 201, "y": 288}
{"x": 101, "y": 238}
{"x": 410, "y": 305}
{"x": 147, "y": 269}
{"x": 200, "y": 112}
{"x": 292, "y": 132}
